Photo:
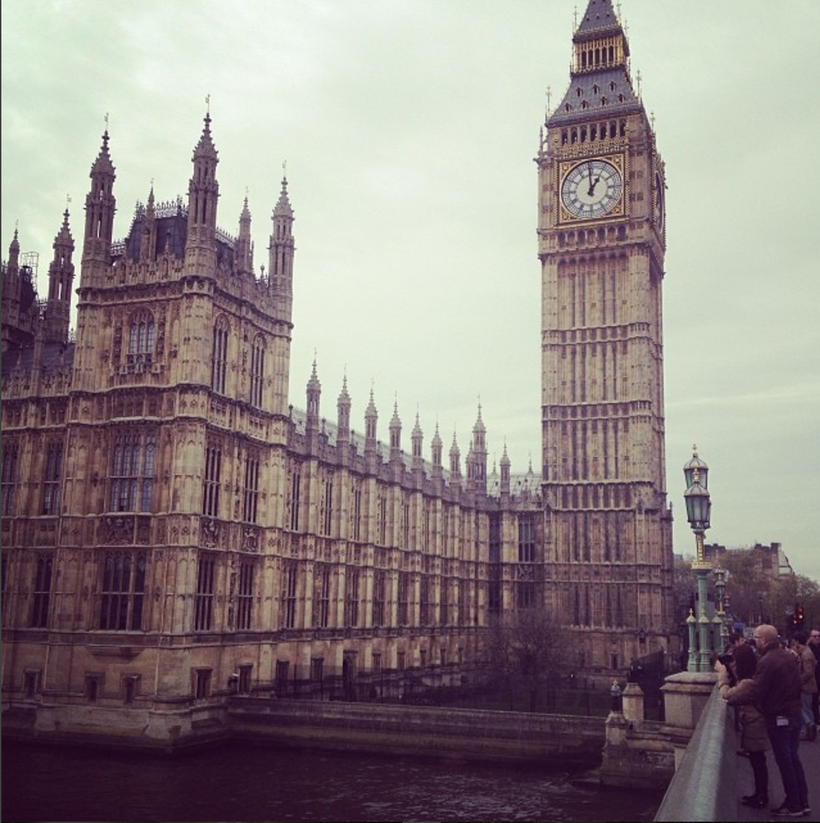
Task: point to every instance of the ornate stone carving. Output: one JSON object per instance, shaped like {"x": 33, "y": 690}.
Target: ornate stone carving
{"x": 209, "y": 533}
{"x": 118, "y": 531}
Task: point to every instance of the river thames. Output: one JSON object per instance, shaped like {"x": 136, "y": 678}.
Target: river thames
{"x": 236, "y": 782}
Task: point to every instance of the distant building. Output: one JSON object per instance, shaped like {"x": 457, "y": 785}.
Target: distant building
{"x": 770, "y": 561}
{"x": 174, "y": 530}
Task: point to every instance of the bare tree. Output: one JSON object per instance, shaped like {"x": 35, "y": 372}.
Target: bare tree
{"x": 529, "y": 647}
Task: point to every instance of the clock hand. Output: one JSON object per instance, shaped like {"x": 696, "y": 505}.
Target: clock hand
{"x": 592, "y": 183}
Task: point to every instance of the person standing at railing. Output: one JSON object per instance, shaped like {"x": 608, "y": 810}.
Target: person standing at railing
{"x": 754, "y": 739}
{"x": 777, "y": 693}
{"x": 808, "y": 681}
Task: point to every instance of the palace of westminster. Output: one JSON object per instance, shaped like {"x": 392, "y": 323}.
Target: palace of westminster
{"x": 174, "y": 530}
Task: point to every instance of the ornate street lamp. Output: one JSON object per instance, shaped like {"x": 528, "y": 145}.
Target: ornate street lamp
{"x": 698, "y": 511}
{"x": 722, "y": 605}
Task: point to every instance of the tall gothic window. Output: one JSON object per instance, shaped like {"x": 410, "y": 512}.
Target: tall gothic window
{"x": 41, "y": 592}
{"x": 295, "y": 485}
{"x": 210, "y": 488}
{"x": 204, "y": 603}
{"x": 405, "y": 524}
{"x": 140, "y": 339}
{"x": 122, "y": 591}
{"x": 132, "y": 472}
{"x": 244, "y": 598}
{"x": 357, "y": 510}
{"x": 8, "y": 479}
{"x": 219, "y": 356}
{"x": 51, "y": 478}
{"x": 444, "y": 602}
{"x": 382, "y": 504}
{"x": 257, "y": 371}
{"x": 404, "y": 598}
{"x": 326, "y": 513}
{"x": 424, "y": 601}
{"x": 378, "y": 598}
{"x": 321, "y": 597}
{"x": 289, "y": 580}
{"x": 352, "y": 598}
{"x": 251, "y": 495}
{"x": 526, "y": 541}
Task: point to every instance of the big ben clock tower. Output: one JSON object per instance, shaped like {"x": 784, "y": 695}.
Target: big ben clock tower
{"x": 601, "y": 237}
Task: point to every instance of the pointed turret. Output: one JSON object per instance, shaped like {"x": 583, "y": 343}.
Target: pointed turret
{"x": 148, "y": 236}
{"x": 11, "y": 289}
{"x": 436, "y": 448}
{"x": 395, "y": 433}
{"x": 479, "y": 454}
{"x": 417, "y": 441}
{"x": 455, "y": 463}
{"x": 100, "y": 207}
{"x": 505, "y": 473}
{"x": 371, "y": 418}
{"x": 203, "y": 193}
{"x": 343, "y": 414}
{"x": 243, "y": 254}
{"x": 280, "y": 264}
{"x": 314, "y": 393}
{"x": 60, "y": 279}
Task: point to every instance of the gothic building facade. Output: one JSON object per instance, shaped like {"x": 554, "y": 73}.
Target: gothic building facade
{"x": 174, "y": 530}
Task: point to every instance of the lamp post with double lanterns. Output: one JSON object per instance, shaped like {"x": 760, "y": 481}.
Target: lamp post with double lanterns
{"x": 698, "y": 509}
{"x": 722, "y": 611}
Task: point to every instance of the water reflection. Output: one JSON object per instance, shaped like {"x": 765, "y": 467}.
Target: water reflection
{"x": 235, "y": 782}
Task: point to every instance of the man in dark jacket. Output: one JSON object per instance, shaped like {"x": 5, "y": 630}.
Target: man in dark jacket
{"x": 778, "y": 695}
{"x": 814, "y": 645}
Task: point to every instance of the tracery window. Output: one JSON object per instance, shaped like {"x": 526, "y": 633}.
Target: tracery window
{"x": 321, "y": 597}
{"x": 211, "y": 480}
{"x": 250, "y": 502}
{"x": 526, "y": 541}
{"x": 244, "y": 610}
{"x": 123, "y": 591}
{"x": 404, "y": 598}
{"x": 141, "y": 338}
{"x": 131, "y": 484}
{"x": 41, "y": 592}
{"x": 257, "y": 371}
{"x": 219, "y": 355}
{"x": 204, "y": 603}
{"x": 8, "y": 479}
{"x": 289, "y": 579}
{"x": 378, "y": 598}
{"x": 352, "y": 598}
{"x": 294, "y": 500}
{"x": 51, "y": 478}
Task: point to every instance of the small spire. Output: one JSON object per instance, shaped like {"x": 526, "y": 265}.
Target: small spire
{"x": 283, "y": 207}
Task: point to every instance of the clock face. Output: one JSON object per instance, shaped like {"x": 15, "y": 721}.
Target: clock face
{"x": 659, "y": 205}
{"x": 592, "y": 189}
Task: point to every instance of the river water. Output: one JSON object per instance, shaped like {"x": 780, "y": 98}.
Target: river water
{"x": 237, "y": 782}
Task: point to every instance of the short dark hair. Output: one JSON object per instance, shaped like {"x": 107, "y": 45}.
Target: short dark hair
{"x": 800, "y": 636}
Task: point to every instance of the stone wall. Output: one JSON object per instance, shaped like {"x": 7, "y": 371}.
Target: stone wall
{"x": 480, "y": 735}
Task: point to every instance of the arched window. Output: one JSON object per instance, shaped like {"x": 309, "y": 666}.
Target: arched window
{"x": 132, "y": 472}
{"x": 141, "y": 337}
{"x": 219, "y": 355}
{"x": 257, "y": 371}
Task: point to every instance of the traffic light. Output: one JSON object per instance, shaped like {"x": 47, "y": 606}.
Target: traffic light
{"x": 799, "y": 616}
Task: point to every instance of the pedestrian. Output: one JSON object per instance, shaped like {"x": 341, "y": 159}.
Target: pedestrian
{"x": 754, "y": 739}
{"x": 808, "y": 680}
{"x": 777, "y": 693}
{"x": 814, "y": 645}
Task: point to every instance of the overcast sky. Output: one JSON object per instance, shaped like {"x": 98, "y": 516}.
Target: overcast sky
{"x": 409, "y": 128}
